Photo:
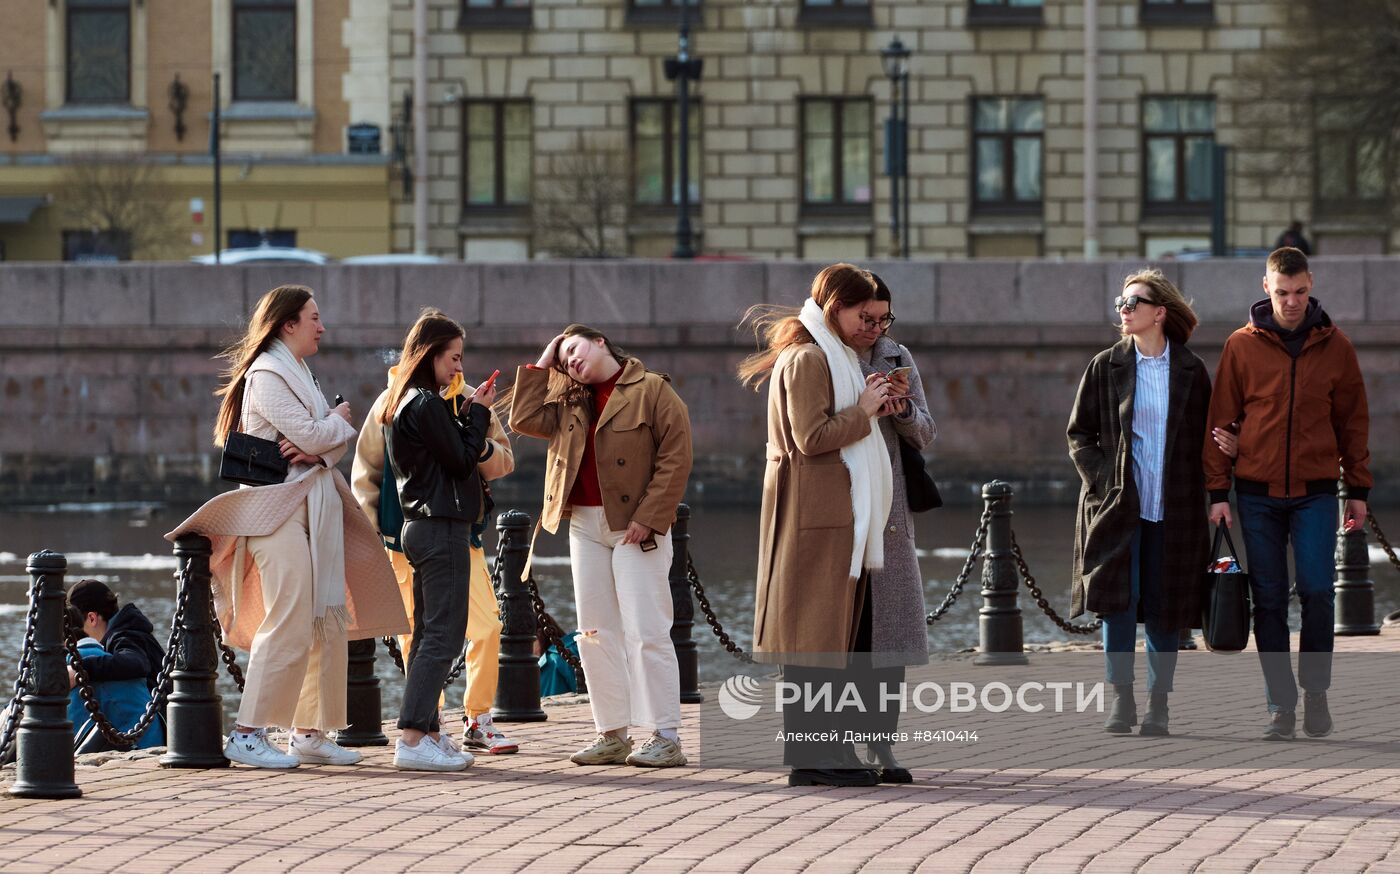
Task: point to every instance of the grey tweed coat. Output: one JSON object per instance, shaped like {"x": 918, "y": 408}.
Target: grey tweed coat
{"x": 898, "y": 629}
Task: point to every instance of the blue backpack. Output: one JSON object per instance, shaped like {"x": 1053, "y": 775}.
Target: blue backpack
{"x": 390, "y": 510}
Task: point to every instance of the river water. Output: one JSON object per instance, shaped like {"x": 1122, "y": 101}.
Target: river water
{"x": 122, "y": 545}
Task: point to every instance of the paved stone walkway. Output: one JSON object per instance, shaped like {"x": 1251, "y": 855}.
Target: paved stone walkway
{"x": 535, "y": 811}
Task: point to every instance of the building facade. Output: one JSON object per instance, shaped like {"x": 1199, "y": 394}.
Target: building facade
{"x": 105, "y": 137}
{"x": 788, "y": 151}
{"x": 553, "y": 129}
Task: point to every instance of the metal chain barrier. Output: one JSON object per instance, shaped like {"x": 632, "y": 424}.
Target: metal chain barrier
{"x": 392, "y": 645}
{"x": 226, "y": 653}
{"x": 979, "y": 543}
{"x": 457, "y": 668}
{"x": 1040, "y": 600}
{"x": 1380, "y": 538}
{"x": 699, "y": 589}
{"x": 552, "y": 632}
{"x": 16, "y": 708}
{"x": 88, "y": 693}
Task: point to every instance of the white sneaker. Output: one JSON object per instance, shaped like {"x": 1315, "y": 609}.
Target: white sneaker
{"x": 448, "y": 745}
{"x": 482, "y": 735}
{"x": 257, "y": 752}
{"x": 427, "y": 756}
{"x": 317, "y": 749}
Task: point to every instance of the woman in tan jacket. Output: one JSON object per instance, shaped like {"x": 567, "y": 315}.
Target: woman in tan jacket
{"x": 619, "y": 457}
{"x": 826, "y": 500}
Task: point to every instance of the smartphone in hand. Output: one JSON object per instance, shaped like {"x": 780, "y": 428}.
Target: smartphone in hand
{"x": 900, "y": 371}
{"x": 490, "y": 381}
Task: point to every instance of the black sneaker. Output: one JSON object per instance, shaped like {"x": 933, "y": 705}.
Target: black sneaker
{"x": 1317, "y": 719}
{"x": 1281, "y": 726}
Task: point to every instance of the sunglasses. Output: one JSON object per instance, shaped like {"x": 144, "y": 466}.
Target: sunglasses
{"x": 1130, "y": 302}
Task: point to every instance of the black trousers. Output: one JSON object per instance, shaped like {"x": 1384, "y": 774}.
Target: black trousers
{"x": 864, "y": 679}
{"x": 439, "y": 550}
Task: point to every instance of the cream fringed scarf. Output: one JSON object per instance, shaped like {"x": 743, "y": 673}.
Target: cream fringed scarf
{"x": 323, "y": 507}
{"x": 867, "y": 460}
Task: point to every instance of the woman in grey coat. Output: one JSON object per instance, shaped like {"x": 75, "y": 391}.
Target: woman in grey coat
{"x": 897, "y": 633}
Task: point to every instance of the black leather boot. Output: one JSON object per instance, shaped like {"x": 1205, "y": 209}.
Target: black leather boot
{"x": 1123, "y": 716}
{"x": 890, "y": 771}
{"x": 1154, "y": 724}
{"x": 832, "y": 777}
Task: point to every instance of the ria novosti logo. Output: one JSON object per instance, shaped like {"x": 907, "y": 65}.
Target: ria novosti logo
{"x": 740, "y": 697}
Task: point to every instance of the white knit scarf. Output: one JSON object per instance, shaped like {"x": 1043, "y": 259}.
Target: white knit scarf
{"x": 323, "y": 509}
{"x": 867, "y": 460}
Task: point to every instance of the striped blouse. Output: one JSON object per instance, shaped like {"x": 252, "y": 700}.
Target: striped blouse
{"x": 1150, "y": 431}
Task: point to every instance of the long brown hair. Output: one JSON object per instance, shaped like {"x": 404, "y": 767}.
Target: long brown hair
{"x": 428, "y": 337}
{"x": 778, "y": 327}
{"x": 276, "y": 308}
{"x": 1180, "y": 319}
{"x": 562, "y": 386}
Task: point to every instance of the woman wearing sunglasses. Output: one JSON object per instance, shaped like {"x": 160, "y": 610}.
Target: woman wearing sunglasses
{"x": 1135, "y": 436}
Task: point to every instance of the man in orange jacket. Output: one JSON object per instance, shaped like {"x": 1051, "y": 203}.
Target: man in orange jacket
{"x": 1291, "y": 382}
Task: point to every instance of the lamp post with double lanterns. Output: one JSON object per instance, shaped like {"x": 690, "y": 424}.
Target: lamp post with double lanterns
{"x": 682, "y": 69}
{"x": 895, "y": 60}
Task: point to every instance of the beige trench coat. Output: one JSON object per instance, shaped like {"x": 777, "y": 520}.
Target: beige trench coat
{"x": 806, "y": 601}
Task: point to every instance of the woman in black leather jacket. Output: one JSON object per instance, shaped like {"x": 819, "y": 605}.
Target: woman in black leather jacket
{"x": 434, "y": 450}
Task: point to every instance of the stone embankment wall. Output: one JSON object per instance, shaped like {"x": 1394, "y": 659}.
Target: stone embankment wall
{"x": 107, "y": 372}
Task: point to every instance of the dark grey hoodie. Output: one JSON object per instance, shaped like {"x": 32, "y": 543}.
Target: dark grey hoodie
{"x": 1261, "y": 315}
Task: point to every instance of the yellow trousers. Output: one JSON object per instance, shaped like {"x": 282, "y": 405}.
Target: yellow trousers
{"x": 483, "y": 630}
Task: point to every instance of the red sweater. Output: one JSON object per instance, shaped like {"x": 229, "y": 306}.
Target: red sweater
{"x": 586, "y": 491}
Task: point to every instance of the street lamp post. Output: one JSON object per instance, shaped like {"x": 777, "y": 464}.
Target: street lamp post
{"x": 895, "y": 60}
{"x": 682, "y": 69}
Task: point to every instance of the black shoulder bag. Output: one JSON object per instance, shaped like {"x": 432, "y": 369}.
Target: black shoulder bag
{"x": 919, "y": 487}
{"x": 252, "y": 461}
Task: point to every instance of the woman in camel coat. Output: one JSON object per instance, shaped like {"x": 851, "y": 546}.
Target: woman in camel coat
{"x": 827, "y": 489}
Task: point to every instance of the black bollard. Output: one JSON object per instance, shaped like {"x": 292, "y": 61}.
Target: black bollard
{"x": 44, "y": 743}
{"x": 999, "y": 619}
{"x": 194, "y": 715}
{"x": 362, "y": 701}
{"x": 687, "y": 655}
{"x": 518, "y": 691}
{"x": 1355, "y": 593}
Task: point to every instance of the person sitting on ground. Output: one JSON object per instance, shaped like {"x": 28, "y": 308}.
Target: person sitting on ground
{"x": 556, "y": 674}
{"x": 129, "y": 646}
{"x": 122, "y": 701}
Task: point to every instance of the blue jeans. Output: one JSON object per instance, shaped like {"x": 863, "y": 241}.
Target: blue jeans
{"x": 1120, "y": 629}
{"x": 1268, "y": 524}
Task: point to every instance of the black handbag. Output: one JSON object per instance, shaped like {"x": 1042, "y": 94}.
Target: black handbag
{"x": 252, "y": 461}
{"x": 1225, "y": 602}
{"x": 919, "y": 487}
